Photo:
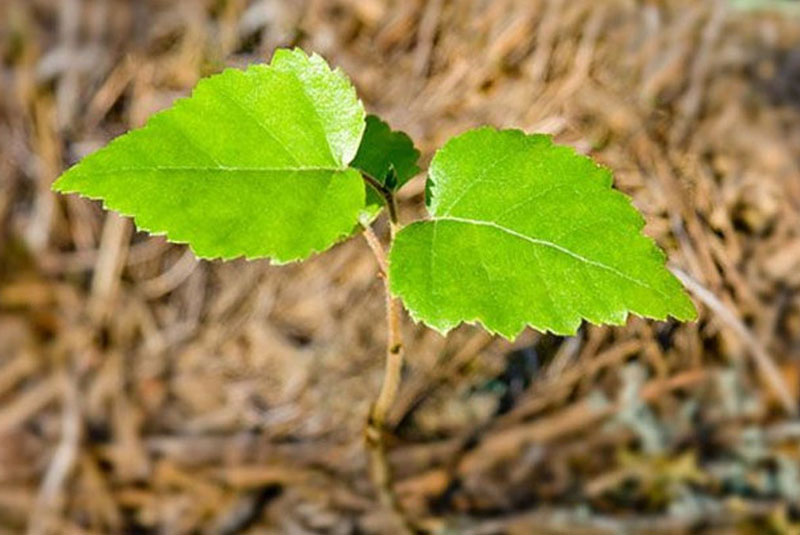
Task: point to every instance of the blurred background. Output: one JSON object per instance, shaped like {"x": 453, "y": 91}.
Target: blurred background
{"x": 143, "y": 392}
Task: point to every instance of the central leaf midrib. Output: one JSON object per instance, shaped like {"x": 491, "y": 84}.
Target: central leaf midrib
{"x": 549, "y": 244}
{"x": 173, "y": 168}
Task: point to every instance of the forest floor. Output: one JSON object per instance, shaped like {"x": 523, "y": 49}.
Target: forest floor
{"x": 144, "y": 392}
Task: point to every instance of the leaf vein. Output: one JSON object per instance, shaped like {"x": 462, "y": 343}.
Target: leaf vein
{"x": 230, "y": 98}
{"x": 178, "y": 168}
{"x": 170, "y": 124}
{"x": 555, "y": 246}
{"x": 481, "y": 178}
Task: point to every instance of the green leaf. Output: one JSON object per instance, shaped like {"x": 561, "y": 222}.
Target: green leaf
{"x": 523, "y": 231}
{"x": 386, "y": 155}
{"x": 383, "y": 149}
{"x": 253, "y": 164}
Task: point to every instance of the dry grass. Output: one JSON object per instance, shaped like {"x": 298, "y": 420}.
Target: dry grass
{"x": 144, "y": 392}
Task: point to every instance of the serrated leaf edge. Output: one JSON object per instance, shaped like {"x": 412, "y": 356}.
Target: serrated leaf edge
{"x": 270, "y": 257}
{"x": 338, "y": 72}
{"x": 447, "y": 325}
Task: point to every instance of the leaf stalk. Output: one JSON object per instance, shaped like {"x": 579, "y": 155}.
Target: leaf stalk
{"x": 387, "y": 194}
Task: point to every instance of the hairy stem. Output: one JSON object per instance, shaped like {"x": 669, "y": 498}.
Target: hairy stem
{"x": 375, "y": 432}
{"x": 394, "y": 365}
{"x": 377, "y": 251}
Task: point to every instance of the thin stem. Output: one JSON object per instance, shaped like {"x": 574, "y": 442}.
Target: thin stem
{"x": 394, "y": 365}
{"x": 375, "y": 432}
{"x": 386, "y": 194}
{"x": 377, "y": 250}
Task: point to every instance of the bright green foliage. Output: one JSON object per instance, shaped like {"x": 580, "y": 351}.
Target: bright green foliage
{"x": 383, "y": 149}
{"x": 253, "y": 164}
{"x": 523, "y": 231}
{"x": 267, "y": 162}
{"x": 388, "y": 156}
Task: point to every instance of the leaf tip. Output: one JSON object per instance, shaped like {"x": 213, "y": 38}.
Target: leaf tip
{"x": 59, "y": 185}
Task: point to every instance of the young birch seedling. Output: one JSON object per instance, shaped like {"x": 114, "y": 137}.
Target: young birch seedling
{"x": 281, "y": 161}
